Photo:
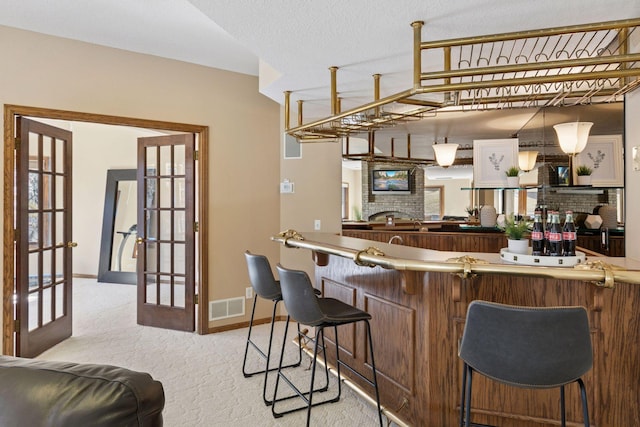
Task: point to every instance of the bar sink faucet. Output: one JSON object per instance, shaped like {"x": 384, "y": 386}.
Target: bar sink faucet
{"x": 396, "y": 237}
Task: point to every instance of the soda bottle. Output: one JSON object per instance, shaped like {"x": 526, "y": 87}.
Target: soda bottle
{"x": 555, "y": 235}
{"x": 547, "y": 227}
{"x": 537, "y": 234}
{"x": 569, "y": 235}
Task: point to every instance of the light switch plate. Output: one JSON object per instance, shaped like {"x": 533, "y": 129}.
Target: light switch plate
{"x": 286, "y": 187}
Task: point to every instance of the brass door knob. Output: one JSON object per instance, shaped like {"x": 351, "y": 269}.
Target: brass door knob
{"x": 71, "y": 244}
{"x": 140, "y": 240}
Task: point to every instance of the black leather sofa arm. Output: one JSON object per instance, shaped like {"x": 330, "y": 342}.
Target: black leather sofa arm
{"x": 46, "y": 393}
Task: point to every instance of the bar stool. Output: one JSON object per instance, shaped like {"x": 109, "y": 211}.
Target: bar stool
{"x": 264, "y": 286}
{"x": 304, "y": 306}
{"x": 527, "y": 347}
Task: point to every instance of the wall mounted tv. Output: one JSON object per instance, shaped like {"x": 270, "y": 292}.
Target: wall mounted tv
{"x": 391, "y": 181}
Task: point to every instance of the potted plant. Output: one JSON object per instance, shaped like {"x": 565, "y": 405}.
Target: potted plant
{"x": 512, "y": 176}
{"x": 584, "y": 174}
{"x": 516, "y": 231}
{"x": 473, "y": 213}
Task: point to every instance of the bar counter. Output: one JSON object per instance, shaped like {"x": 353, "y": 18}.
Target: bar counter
{"x": 418, "y": 300}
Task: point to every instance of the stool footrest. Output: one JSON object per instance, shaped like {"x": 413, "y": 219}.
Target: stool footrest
{"x": 305, "y": 407}
{"x": 358, "y": 374}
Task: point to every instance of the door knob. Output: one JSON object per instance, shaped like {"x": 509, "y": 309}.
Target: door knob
{"x": 71, "y": 244}
{"x": 140, "y": 240}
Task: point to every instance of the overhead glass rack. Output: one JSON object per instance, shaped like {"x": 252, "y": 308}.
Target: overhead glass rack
{"x": 572, "y": 65}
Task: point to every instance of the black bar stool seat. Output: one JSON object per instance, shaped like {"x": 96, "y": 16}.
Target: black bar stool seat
{"x": 526, "y": 347}
{"x": 304, "y": 306}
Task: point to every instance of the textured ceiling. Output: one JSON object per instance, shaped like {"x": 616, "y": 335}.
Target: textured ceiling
{"x": 296, "y": 41}
{"x": 301, "y": 39}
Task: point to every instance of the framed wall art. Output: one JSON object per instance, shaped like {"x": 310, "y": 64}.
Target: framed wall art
{"x": 491, "y": 159}
{"x": 603, "y": 154}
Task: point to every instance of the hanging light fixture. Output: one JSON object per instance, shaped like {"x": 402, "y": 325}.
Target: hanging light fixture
{"x": 527, "y": 160}
{"x": 445, "y": 153}
{"x": 573, "y": 136}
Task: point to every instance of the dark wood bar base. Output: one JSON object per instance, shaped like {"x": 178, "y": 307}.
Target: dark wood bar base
{"x": 416, "y": 340}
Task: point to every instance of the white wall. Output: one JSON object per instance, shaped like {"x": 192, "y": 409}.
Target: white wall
{"x": 354, "y": 178}
{"x": 244, "y": 139}
{"x": 455, "y": 199}
{"x": 317, "y": 178}
{"x": 632, "y": 177}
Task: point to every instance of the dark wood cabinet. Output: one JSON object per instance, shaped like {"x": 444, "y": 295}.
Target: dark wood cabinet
{"x": 594, "y": 243}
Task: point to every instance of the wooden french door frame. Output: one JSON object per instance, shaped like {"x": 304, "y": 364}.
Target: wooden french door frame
{"x": 44, "y": 245}
{"x": 8, "y": 260}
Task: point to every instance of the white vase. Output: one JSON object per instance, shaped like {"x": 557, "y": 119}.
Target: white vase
{"x": 584, "y": 179}
{"x": 488, "y": 216}
{"x": 513, "y": 181}
{"x": 518, "y": 246}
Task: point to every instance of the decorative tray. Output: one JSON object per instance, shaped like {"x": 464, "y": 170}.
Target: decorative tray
{"x": 544, "y": 261}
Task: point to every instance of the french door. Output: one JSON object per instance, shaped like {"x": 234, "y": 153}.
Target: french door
{"x": 43, "y": 243}
{"x": 166, "y": 232}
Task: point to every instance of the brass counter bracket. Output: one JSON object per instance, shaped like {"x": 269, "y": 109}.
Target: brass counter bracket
{"x": 369, "y": 251}
{"x": 467, "y": 262}
{"x": 290, "y": 234}
{"x": 467, "y": 273}
{"x": 609, "y": 281}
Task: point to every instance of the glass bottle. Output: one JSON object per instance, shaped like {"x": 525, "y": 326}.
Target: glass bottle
{"x": 537, "y": 234}
{"x": 547, "y": 227}
{"x": 569, "y": 235}
{"x": 555, "y": 235}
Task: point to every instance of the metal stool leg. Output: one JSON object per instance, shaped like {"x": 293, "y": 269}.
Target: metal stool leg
{"x": 335, "y": 331}
{"x": 246, "y": 348}
{"x": 463, "y": 394}
{"x": 468, "y": 399}
{"x": 266, "y": 356}
{"x": 305, "y": 396}
{"x": 373, "y": 368}
{"x": 563, "y": 416}
{"x": 585, "y": 408}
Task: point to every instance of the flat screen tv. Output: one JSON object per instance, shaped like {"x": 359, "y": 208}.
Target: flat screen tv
{"x": 390, "y": 181}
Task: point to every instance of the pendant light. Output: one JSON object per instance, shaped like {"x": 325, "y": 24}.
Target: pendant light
{"x": 572, "y": 138}
{"x": 445, "y": 153}
{"x": 527, "y": 160}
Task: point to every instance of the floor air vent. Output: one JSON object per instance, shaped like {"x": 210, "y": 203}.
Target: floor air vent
{"x": 224, "y": 308}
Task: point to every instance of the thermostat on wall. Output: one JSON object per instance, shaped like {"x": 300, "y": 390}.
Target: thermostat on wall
{"x": 286, "y": 186}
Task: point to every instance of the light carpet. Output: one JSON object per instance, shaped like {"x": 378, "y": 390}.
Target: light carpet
{"x": 201, "y": 374}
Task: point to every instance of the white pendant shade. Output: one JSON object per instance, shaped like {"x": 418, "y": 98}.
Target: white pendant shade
{"x": 527, "y": 160}
{"x": 573, "y": 136}
{"x": 445, "y": 153}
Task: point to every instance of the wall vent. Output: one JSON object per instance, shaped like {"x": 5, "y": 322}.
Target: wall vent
{"x": 225, "y": 308}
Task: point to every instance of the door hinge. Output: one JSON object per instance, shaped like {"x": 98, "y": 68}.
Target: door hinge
{"x": 17, "y": 143}
{"x": 196, "y": 298}
{"x": 195, "y": 155}
{"x": 196, "y": 226}
{"x": 16, "y": 234}
{"x": 16, "y": 325}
